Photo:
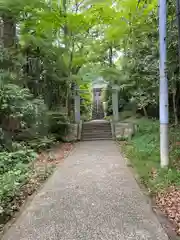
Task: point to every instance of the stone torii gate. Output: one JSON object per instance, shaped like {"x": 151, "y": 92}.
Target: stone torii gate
{"x": 115, "y": 102}
{"x": 115, "y": 105}
{"x": 77, "y": 114}
{"x": 77, "y": 104}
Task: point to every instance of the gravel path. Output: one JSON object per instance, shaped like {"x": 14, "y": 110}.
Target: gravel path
{"x": 91, "y": 196}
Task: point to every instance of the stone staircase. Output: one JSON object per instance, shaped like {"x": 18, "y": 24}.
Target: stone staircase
{"x": 96, "y": 130}
{"x": 98, "y": 114}
{"x": 97, "y": 111}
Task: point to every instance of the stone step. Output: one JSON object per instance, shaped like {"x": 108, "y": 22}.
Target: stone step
{"x": 95, "y": 139}
{"x": 97, "y": 113}
{"x": 96, "y": 128}
{"x": 97, "y": 135}
{"x": 96, "y": 125}
{"x": 96, "y": 131}
{"x": 99, "y": 131}
{"x": 107, "y": 134}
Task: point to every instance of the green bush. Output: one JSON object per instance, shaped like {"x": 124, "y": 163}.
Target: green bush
{"x": 15, "y": 168}
{"x": 8, "y": 161}
{"x": 58, "y": 124}
{"x": 10, "y": 183}
{"x": 85, "y": 101}
{"x": 144, "y": 153}
{"x": 22, "y": 116}
{"x": 5, "y": 140}
{"x": 15, "y": 102}
{"x": 39, "y": 144}
{"x": 130, "y": 107}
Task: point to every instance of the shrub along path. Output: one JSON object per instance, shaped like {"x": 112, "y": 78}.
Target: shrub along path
{"x": 22, "y": 180}
{"x": 92, "y": 195}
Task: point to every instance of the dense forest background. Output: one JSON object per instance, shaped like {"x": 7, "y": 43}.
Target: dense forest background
{"x": 48, "y": 49}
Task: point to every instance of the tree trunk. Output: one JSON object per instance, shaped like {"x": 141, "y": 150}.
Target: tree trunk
{"x": 110, "y": 56}
{"x": 145, "y": 111}
{"x": 9, "y": 32}
{"x": 1, "y": 32}
{"x": 69, "y": 106}
{"x": 67, "y": 102}
{"x": 7, "y": 39}
{"x": 175, "y": 107}
{"x": 178, "y": 23}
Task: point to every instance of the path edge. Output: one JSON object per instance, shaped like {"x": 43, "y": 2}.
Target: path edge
{"x": 30, "y": 198}
{"x": 163, "y": 220}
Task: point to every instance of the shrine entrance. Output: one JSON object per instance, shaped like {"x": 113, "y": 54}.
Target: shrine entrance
{"x": 97, "y": 104}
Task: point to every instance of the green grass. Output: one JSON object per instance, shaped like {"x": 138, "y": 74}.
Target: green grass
{"x": 143, "y": 152}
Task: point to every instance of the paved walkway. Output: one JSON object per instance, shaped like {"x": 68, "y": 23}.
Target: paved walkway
{"x": 91, "y": 196}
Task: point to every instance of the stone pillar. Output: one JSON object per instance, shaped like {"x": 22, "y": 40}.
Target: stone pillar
{"x": 77, "y": 107}
{"x": 115, "y": 104}
{"x": 105, "y": 108}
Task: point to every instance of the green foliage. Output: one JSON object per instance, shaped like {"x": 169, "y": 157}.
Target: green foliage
{"x": 143, "y": 152}
{"x": 11, "y": 182}
{"x": 13, "y": 100}
{"x": 85, "y": 101}
{"x": 58, "y": 124}
{"x": 18, "y": 103}
{"x": 42, "y": 143}
{"x": 59, "y": 46}
{"x": 22, "y": 116}
{"x": 8, "y": 161}
{"x": 15, "y": 168}
{"x": 107, "y": 97}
